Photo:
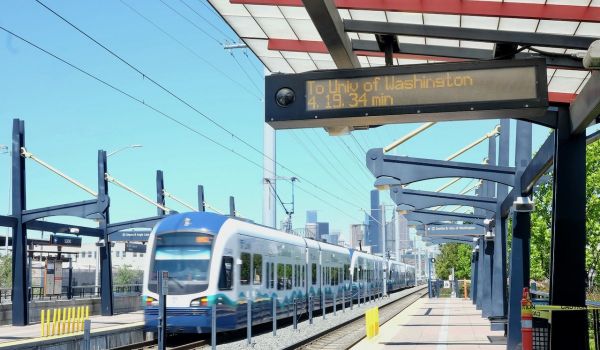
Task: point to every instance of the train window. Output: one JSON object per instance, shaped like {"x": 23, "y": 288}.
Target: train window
{"x": 257, "y": 267}
{"x": 314, "y": 273}
{"x": 272, "y": 278}
{"x": 245, "y": 271}
{"x": 303, "y": 275}
{"x": 296, "y": 276}
{"x": 334, "y": 276}
{"x": 280, "y": 276}
{"x": 346, "y": 272}
{"x": 268, "y": 273}
{"x": 226, "y": 274}
{"x": 288, "y": 275}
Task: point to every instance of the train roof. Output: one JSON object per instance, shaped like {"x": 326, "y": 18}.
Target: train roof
{"x": 193, "y": 221}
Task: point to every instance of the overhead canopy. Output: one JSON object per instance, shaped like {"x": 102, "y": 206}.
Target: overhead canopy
{"x": 285, "y": 38}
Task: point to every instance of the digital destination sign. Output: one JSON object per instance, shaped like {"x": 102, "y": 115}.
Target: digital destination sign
{"x": 410, "y": 93}
{"x": 422, "y": 89}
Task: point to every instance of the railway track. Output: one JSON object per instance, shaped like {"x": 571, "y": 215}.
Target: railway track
{"x": 347, "y": 334}
{"x": 152, "y": 344}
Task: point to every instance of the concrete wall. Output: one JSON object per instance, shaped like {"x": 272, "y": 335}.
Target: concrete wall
{"x": 99, "y": 340}
{"x": 123, "y": 304}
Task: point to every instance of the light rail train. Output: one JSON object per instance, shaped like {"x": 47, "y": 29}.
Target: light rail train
{"x": 219, "y": 260}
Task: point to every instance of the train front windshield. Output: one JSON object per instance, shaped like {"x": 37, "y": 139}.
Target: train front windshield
{"x": 186, "y": 257}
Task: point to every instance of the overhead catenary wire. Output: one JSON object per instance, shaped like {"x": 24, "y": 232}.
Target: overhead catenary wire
{"x": 361, "y": 164}
{"x": 190, "y": 50}
{"x": 190, "y": 22}
{"x": 341, "y": 174}
{"x": 318, "y": 162}
{"x": 358, "y": 143}
{"x": 165, "y": 115}
{"x": 205, "y": 116}
{"x": 206, "y": 20}
{"x": 244, "y": 70}
{"x": 260, "y": 75}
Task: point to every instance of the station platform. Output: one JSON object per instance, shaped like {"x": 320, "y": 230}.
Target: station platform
{"x": 12, "y": 336}
{"x": 436, "y": 324}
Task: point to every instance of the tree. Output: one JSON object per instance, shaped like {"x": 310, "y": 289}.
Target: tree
{"x": 126, "y": 275}
{"x": 541, "y": 221}
{"x": 5, "y": 271}
{"x": 454, "y": 255}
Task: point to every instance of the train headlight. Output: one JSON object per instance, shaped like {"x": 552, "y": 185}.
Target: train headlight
{"x": 150, "y": 301}
{"x": 203, "y": 301}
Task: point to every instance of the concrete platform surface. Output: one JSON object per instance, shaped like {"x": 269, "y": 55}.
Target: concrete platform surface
{"x": 15, "y": 334}
{"x": 436, "y": 324}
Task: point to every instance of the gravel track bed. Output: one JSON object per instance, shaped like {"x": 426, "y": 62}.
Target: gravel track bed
{"x": 287, "y": 336}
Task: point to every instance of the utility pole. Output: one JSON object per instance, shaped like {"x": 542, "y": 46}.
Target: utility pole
{"x": 383, "y": 248}
{"x": 269, "y": 177}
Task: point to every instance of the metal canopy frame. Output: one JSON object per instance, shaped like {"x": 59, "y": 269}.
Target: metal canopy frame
{"x": 471, "y": 34}
{"x": 427, "y": 199}
{"x": 427, "y": 217}
{"x": 406, "y": 170}
{"x": 328, "y": 22}
{"x": 23, "y": 219}
{"x": 449, "y": 53}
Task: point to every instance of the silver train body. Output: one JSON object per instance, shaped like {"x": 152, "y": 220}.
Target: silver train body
{"x": 218, "y": 260}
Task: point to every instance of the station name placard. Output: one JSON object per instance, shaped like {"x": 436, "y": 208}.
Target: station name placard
{"x": 375, "y": 96}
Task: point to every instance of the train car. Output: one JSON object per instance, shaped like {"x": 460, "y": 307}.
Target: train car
{"x": 228, "y": 262}
{"x": 400, "y": 275}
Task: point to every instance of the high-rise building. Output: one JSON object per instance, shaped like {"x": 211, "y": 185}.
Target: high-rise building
{"x": 311, "y": 216}
{"x": 310, "y": 230}
{"x": 322, "y": 231}
{"x": 373, "y": 238}
{"x": 334, "y": 237}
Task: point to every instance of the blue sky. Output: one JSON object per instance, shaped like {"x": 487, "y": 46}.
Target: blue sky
{"x": 69, "y": 116}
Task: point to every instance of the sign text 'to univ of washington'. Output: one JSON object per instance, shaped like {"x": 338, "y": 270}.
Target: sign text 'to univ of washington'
{"x": 397, "y": 94}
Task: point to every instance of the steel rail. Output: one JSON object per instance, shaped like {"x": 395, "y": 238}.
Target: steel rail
{"x": 333, "y": 337}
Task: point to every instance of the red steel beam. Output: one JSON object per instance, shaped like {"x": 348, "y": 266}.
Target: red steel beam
{"x": 459, "y": 7}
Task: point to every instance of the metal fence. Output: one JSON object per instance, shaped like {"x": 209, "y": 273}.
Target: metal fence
{"x": 541, "y": 326}
{"x": 76, "y": 292}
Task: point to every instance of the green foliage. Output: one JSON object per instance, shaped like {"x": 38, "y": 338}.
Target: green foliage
{"x": 541, "y": 221}
{"x": 126, "y": 275}
{"x": 454, "y": 255}
{"x": 5, "y": 271}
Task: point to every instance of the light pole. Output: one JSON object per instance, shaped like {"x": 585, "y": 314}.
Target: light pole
{"x": 122, "y": 149}
{"x": 4, "y": 150}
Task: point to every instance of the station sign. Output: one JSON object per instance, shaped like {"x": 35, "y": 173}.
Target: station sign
{"x": 453, "y": 230}
{"x": 65, "y": 241}
{"x": 129, "y": 236}
{"x": 135, "y": 247}
{"x": 409, "y": 93}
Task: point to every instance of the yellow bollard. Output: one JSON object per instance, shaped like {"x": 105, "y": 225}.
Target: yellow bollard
{"x": 73, "y": 319}
{"x": 54, "y": 314}
{"x": 58, "y": 323}
{"x": 69, "y": 315}
{"x": 64, "y": 321}
{"x": 79, "y": 312}
{"x": 48, "y": 322}
{"x": 42, "y": 323}
{"x": 87, "y": 312}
